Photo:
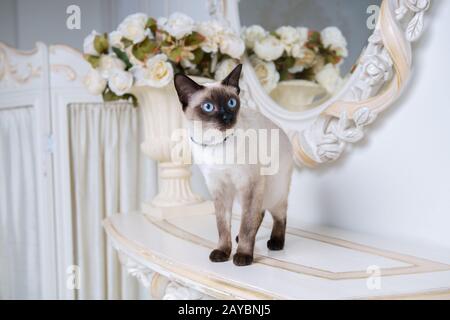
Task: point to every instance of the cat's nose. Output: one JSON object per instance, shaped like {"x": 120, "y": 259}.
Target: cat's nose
{"x": 227, "y": 117}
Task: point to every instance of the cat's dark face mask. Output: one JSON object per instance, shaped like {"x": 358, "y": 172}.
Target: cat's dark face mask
{"x": 216, "y": 106}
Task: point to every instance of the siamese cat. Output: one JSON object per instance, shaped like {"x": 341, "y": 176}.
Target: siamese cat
{"x": 217, "y": 107}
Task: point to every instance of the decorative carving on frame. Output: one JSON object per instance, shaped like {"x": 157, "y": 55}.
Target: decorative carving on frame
{"x": 18, "y": 68}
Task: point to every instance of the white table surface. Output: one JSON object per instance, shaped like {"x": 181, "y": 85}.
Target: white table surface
{"x": 317, "y": 263}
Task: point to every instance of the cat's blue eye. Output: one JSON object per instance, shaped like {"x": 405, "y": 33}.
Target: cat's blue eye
{"x": 232, "y": 103}
{"x": 208, "y": 107}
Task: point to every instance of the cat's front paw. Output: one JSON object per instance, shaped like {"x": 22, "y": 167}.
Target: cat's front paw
{"x": 218, "y": 256}
{"x": 241, "y": 259}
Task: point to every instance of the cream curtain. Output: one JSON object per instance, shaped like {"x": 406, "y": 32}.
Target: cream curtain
{"x": 19, "y": 234}
{"x": 109, "y": 175}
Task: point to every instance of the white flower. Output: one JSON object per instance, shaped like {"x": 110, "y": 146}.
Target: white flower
{"x": 133, "y": 27}
{"x": 120, "y": 82}
{"x": 291, "y": 37}
{"x": 157, "y": 72}
{"x": 94, "y": 82}
{"x": 298, "y": 51}
{"x": 177, "y": 25}
{"x": 329, "y": 78}
{"x": 212, "y": 31}
{"x": 133, "y": 60}
{"x": 269, "y": 49}
{"x": 217, "y": 36}
{"x": 88, "y": 44}
{"x": 266, "y": 73}
{"x": 224, "y": 68}
{"x": 108, "y": 63}
{"x": 376, "y": 70}
{"x": 232, "y": 45}
{"x": 302, "y": 34}
{"x": 253, "y": 34}
{"x": 332, "y": 37}
{"x": 288, "y": 35}
{"x": 115, "y": 40}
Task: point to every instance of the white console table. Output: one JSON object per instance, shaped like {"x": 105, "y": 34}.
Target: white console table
{"x": 170, "y": 257}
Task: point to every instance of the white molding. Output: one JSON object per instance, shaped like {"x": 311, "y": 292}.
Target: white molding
{"x": 160, "y": 286}
{"x": 320, "y": 135}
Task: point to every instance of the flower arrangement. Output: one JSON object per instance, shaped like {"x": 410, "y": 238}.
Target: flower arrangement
{"x": 144, "y": 51}
{"x": 294, "y": 53}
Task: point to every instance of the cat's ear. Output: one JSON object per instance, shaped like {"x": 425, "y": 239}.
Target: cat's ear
{"x": 185, "y": 87}
{"x": 233, "y": 78}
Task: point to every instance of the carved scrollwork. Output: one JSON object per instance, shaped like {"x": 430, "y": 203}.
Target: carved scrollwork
{"x": 20, "y": 72}
{"x": 67, "y": 71}
{"x": 176, "y": 291}
{"x": 143, "y": 274}
{"x": 416, "y": 9}
{"x": 326, "y": 138}
{"x": 167, "y": 289}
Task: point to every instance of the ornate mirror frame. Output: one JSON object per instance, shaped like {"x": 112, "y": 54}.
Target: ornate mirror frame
{"x": 320, "y": 135}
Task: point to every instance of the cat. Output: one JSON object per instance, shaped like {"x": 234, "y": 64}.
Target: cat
{"x": 217, "y": 106}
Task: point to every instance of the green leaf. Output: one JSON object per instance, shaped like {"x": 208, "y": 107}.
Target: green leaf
{"x": 93, "y": 60}
{"x": 285, "y": 75}
{"x": 175, "y": 54}
{"x": 152, "y": 25}
{"x": 126, "y": 42}
{"x": 194, "y": 39}
{"x": 109, "y": 96}
{"x": 289, "y": 62}
{"x": 133, "y": 99}
{"x": 143, "y": 49}
{"x": 314, "y": 41}
{"x": 198, "y": 56}
{"x": 314, "y": 36}
{"x": 101, "y": 43}
{"x": 332, "y": 58}
{"x": 122, "y": 56}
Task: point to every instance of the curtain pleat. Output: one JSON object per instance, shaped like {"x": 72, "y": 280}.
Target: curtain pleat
{"x": 19, "y": 235}
{"x": 109, "y": 175}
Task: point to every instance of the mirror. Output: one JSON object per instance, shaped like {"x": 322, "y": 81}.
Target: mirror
{"x": 304, "y": 51}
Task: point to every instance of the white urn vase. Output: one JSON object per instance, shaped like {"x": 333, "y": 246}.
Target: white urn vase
{"x": 298, "y": 95}
{"x": 163, "y": 116}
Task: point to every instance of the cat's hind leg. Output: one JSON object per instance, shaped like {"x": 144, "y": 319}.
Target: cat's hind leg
{"x": 277, "y": 237}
